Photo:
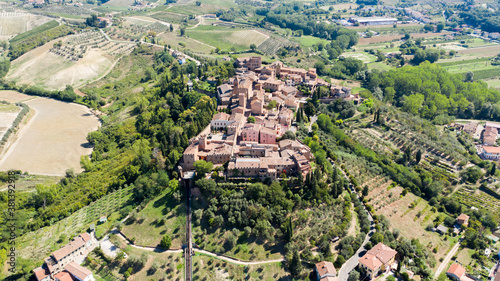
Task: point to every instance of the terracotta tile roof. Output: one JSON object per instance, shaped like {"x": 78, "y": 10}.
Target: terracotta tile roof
{"x": 370, "y": 261}
{"x": 221, "y": 116}
{"x": 40, "y": 273}
{"x": 72, "y": 246}
{"x": 380, "y": 254}
{"x": 77, "y": 271}
{"x": 491, "y": 149}
{"x": 326, "y": 268}
{"x": 64, "y": 276}
{"x": 456, "y": 270}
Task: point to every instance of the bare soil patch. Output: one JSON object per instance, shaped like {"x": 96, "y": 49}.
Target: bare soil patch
{"x": 54, "y": 139}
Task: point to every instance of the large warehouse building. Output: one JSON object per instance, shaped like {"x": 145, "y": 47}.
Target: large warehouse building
{"x": 373, "y": 20}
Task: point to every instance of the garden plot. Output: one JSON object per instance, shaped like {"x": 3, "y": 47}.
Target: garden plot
{"x": 53, "y": 140}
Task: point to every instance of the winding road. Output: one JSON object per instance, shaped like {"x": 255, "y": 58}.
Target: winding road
{"x": 351, "y": 263}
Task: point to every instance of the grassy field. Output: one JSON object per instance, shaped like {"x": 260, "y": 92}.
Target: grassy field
{"x": 148, "y": 228}
{"x": 308, "y": 41}
{"x": 227, "y": 38}
{"x": 364, "y": 57}
{"x": 379, "y": 65}
{"x": 209, "y": 268}
{"x": 493, "y": 83}
{"x": 118, "y": 5}
{"x": 170, "y": 265}
{"x": 176, "y": 41}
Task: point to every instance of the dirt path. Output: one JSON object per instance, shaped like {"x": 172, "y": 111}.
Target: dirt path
{"x": 354, "y": 223}
{"x": 218, "y": 256}
{"x": 235, "y": 261}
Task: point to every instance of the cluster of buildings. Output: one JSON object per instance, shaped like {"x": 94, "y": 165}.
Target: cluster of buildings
{"x": 460, "y": 222}
{"x": 63, "y": 264}
{"x": 379, "y": 259}
{"x": 489, "y": 150}
{"x": 488, "y": 135}
{"x": 341, "y": 92}
{"x": 262, "y": 101}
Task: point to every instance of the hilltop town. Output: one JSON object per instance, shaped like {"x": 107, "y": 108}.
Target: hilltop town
{"x": 257, "y": 139}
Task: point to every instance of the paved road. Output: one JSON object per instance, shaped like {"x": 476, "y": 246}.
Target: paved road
{"x": 447, "y": 259}
{"x": 351, "y": 263}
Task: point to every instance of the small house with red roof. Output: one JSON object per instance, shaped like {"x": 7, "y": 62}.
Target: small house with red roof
{"x": 379, "y": 259}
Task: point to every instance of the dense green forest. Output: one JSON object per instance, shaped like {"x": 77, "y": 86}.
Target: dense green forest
{"x": 480, "y": 17}
{"x": 433, "y": 93}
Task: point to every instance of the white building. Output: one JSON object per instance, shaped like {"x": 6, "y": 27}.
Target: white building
{"x": 491, "y": 152}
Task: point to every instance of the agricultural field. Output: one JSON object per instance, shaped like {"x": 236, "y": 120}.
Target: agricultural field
{"x": 473, "y": 197}
{"x": 226, "y": 39}
{"x": 73, "y": 60}
{"x": 194, "y": 9}
{"x": 493, "y": 83}
{"x": 168, "y": 17}
{"x": 36, "y": 245}
{"x": 15, "y": 23}
{"x": 118, "y": 5}
{"x": 410, "y": 214}
{"x": 135, "y": 28}
{"x": 184, "y": 43}
{"x": 55, "y": 136}
{"x": 161, "y": 216}
{"x": 67, "y": 11}
{"x": 209, "y": 268}
{"x": 271, "y": 45}
{"x": 8, "y": 113}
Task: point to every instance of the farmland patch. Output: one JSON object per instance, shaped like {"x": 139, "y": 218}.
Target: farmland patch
{"x": 53, "y": 140}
